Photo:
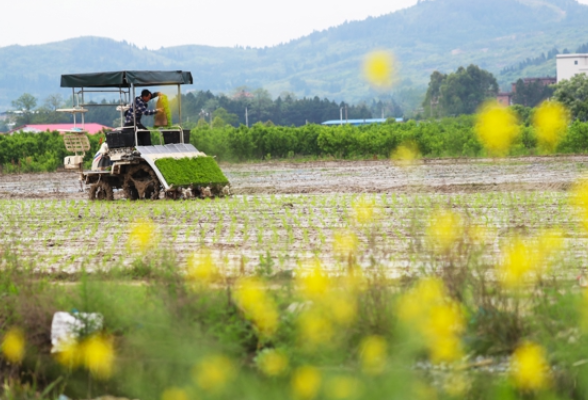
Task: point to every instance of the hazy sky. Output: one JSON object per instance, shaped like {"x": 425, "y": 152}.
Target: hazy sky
{"x": 164, "y": 23}
{"x": 157, "y": 23}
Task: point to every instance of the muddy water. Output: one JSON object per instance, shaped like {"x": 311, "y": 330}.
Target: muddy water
{"x": 438, "y": 175}
{"x": 290, "y": 212}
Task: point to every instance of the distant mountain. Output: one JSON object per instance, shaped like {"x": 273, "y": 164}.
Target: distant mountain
{"x": 432, "y": 35}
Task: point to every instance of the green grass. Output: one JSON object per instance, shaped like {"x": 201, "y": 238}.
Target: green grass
{"x": 198, "y": 171}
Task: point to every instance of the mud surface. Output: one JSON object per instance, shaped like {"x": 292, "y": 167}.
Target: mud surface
{"x": 284, "y": 214}
{"x": 437, "y": 175}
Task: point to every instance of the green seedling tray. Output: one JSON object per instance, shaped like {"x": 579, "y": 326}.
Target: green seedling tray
{"x": 191, "y": 171}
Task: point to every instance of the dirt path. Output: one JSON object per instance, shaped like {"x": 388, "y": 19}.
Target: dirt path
{"x": 437, "y": 175}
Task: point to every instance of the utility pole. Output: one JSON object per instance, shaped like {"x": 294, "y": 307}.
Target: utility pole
{"x": 246, "y": 118}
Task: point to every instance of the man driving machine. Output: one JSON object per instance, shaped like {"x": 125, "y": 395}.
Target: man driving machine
{"x": 140, "y": 107}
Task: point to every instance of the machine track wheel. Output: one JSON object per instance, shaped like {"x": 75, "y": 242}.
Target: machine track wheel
{"x": 101, "y": 191}
{"x": 140, "y": 182}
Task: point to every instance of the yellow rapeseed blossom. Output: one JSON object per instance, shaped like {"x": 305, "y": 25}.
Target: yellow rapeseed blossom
{"x": 306, "y": 382}
{"x": 345, "y": 243}
{"x": 457, "y": 384}
{"x": 342, "y": 307}
{"x": 405, "y": 154}
{"x": 579, "y": 198}
{"x": 584, "y": 309}
{"x": 437, "y": 319}
{"x": 378, "y": 69}
{"x": 314, "y": 328}
{"x": 353, "y": 281}
{"x": 413, "y": 306}
{"x": 551, "y": 121}
{"x": 520, "y": 264}
{"x": 213, "y": 372}
{"x": 529, "y": 368}
{"x": 70, "y": 354}
{"x": 363, "y": 210}
{"x": 174, "y": 394}
{"x": 13, "y": 345}
{"x": 342, "y": 387}
{"x": 314, "y": 284}
{"x": 201, "y": 267}
{"x": 549, "y": 242}
{"x": 442, "y": 332}
{"x": 143, "y": 235}
{"x": 257, "y": 305}
{"x": 373, "y": 354}
{"x": 98, "y": 356}
{"x": 273, "y": 363}
{"x": 444, "y": 230}
{"x": 477, "y": 234}
{"x": 496, "y": 127}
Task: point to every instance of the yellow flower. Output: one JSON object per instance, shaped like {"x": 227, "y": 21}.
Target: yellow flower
{"x": 345, "y": 243}
{"x": 445, "y": 349}
{"x": 13, "y": 345}
{"x": 342, "y": 307}
{"x": 584, "y": 309}
{"x": 457, "y": 384}
{"x": 378, "y": 69}
{"x": 174, "y": 394}
{"x": 519, "y": 264}
{"x": 444, "y": 230}
{"x": 549, "y": 242}
{"x": 439, "y": 321}
{"x": 143, "y": 235}
{"x": 363, "y": 210}
{"x": 529, "y": 367}
{"x": 201, "y": 267}
{"x": 70, "y": 354}
{"x": 477, "y": 234}
{"x": 306, "y": 382}
{"x": 342, "y": 387}
{"x": 98, "y": 356}
{"x": 314, "y": 284}
{"x": 446, "y": 319}
{"x": 273, "y": 362}
{"x": 405, "y": 154}
{"x": 213, "y": 372}
{"x": 251, "y": 296}
{"x": 551, "y": 121}
{"x": 372, "y": 354}
{"x": 314, "y": 328}
{"x": 496, "y": 127}
{"x": 413, "y": 307}
{"x": 579, "y": 199}
{"x": 353, "y": 281}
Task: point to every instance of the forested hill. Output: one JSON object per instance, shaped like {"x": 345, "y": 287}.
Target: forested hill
{"x": 432, "y": 35}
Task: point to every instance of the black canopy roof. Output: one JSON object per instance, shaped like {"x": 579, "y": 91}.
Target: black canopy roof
{"x": 126, "y": 78}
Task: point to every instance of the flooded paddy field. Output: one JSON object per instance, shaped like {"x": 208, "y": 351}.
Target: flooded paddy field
{"x": 283, "y": 215}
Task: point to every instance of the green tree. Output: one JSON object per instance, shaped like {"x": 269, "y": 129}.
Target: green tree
{"x": 531, "y": 94}
{"x": 25, "y": 105}
{"x": 225, "y": 116}
{"x": 460, "y": 92}
{"x": 218, "y": 122}
{"x": 431, "y": 102}
{"x": 573, "y": 94}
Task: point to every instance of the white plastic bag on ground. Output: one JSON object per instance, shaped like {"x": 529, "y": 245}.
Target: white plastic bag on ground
{"x": 67, "y": 327}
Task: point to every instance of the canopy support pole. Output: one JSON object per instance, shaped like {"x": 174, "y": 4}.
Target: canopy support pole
{"x": 133, "y": 106}
{"x": 180, "y": 112}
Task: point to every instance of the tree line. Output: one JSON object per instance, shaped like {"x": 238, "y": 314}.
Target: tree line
{"x": 244, "y": 107}
{"x": 446, "y": 137}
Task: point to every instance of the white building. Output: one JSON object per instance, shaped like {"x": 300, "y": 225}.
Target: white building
{"x": 569, "y": 65}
